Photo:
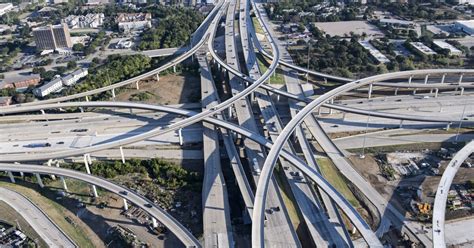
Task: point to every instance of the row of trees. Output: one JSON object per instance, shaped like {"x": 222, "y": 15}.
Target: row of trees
{"x": 174, "y": 28}
{"x": 167, "y": 175}
{"x": 115, "y": 69}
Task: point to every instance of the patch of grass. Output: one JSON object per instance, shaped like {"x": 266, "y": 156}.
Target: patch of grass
{"x": 55, "y": 211}
{"x": 288, "y": 197}
{"x": 410, "y": 147}
{"x": 256, "y": 24}
{"x": 278, "y": 78}
{"x": 334, "y": 177}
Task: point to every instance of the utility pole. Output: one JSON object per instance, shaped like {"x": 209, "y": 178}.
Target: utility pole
{"x": 307, "y": 66}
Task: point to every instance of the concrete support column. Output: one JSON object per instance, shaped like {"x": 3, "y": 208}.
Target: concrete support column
{"x": 426, "y": 78}
{"x": 180, "y": 134}
{"x": 49, "y": 164}
{"x": 229, "y": 110}
{"x": 154, "y": 222}
{"x": 174, "y": 68}
{"x": 113, "y": 93}
{"x": 62, "y": 178}
{"x": 396, "y": 91}
{"x": 42, "y": 112}
{"x": 448, "y": 126}
{"x": 436, "y": 92}
{"x": 22, "y": 174}
{"x": 370, "y": 90}
{"x": 157, "y": 77}
{"x": 10, "y": 175}
{"x": 278, "y": 98}
{"x": 40, "y": 181}
{"x": 325, "y": 80}
{"x": 81, "y": 109}
{"x": 319, "y": 111}
{"x": 343, "y": 116}
{"x": 125, "y": 204}
{"x": 442, "y": 78}
{"x": 460, "y": 78}
{"x": 136, "y": 84}
{"x": 401, "y": 124}
{"x": 94, "y": 189}
{"x": 414, "y": 91}
{"x": 122, "y": 155}
{"x": 409, "y": 79}
{"x": 332, "y": 102}
{"x": 462, "y": 91}
{"x": 87, "y": 98}
{"x": 431, "y": 91}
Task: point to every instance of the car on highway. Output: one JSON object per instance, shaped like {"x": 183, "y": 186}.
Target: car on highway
{"x": 79, "y": 130}
{"x": 123, "y": 192}
{"x": 148, "y": 205}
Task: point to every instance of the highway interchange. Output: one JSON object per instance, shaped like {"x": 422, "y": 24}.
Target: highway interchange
{"x": 270, "y": 230}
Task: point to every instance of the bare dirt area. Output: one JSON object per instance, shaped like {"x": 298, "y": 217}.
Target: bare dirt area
{"x": 171, "y": 89}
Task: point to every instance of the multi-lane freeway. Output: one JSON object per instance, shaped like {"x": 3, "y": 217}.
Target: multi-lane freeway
{"x": 270, "y": 226}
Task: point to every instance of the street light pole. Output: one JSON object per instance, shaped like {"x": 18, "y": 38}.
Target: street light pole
{"x": 362, "y": 155}
{"x": 460, "y": 123}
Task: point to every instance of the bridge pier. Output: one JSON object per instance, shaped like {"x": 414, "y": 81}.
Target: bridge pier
{"x": 10, "y": 175}
{"x": 81, "y": 109}
{"x": 426, "y": 78}
{"x": 396, "y": 91}
{"x": 414, "y": 91}
{"x": 462, "y": 91}
{"x": 136, "y": 84}
{"x": 87, "y": 98}
{"x": 442, "y": 78}
{"x": 436, "y": 92}
{"x": 401, "y": 124}
{"x": 180, "y": 134}
{"x": 49, "y": 164}
{"x": 460, "y": 78}
{"x": 113, "y": 93}
{"x": 343, "y": 116}
{"x": 370, "y": 90}
{"x": 157, "y": 77}
{"x": 409, "y": 79}
{"x": 42, "y": 112}
{"x": 125, "y": 204}
{"x": 229, "y": 111}
{"x": 40, "y": 181}
{"x": 62, "y": 178}
{"x": 86, "y": 163}
{"x": 330, "y": 109}
{"x": 122, "y": 155}
{"x": 174, "y": 68}
{"x": 448, "y": 126}
{"x": 154, "y": 222}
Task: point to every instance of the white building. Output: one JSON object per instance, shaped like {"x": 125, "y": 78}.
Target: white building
{"x": 133, "y": 21}
{"x": 49, "y": 87}
{"x": 5, "y": 7}
{"x": 422, "y": 48}
{"x": 444, "y": 45}
{"x": 74, "y": 77}
{"x": 469, "y": 2}
{"x": 88, "y": 21}
{"x": 465, "y": 26}
{"x": 58, "y": 83}
{"x": 374, "y": 51}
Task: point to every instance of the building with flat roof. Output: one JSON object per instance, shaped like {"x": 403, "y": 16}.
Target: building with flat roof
{"x": 52, "y": 37}
{"x": 58, "y": 83}
{"x": 133, "y": 21}
{"x": 396, "y": 23}
{"x": 422, "y": 48}
{"x": 444, "y": 45}
{"x": 90, "y": 20}
{"x": 5, "y": 7}
{"x": 374, "y": 51}
{"x": 20, "y": 82}
{"x": 465, "y": 26}
{"x": 49, "y": 87}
